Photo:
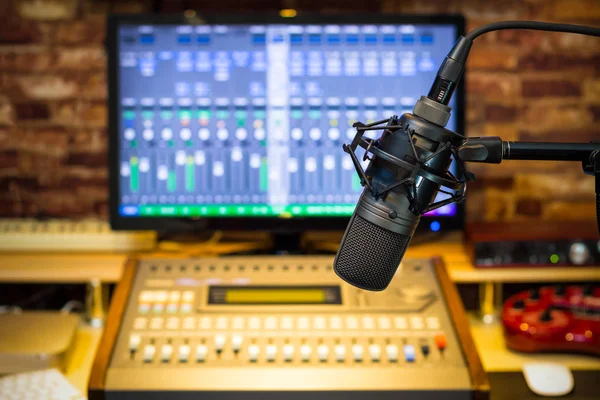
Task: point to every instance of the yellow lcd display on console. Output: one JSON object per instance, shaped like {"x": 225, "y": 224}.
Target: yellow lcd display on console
{"x": 274, "y": 295}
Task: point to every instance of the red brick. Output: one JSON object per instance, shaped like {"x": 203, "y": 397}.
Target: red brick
{"x": 591, "y": 90}
{"x": 48, "y": 10}
{"x": 80, "y": 176}
{"x": 48, "y": 87}
{"x": 576, "y": 9}
{"x": 504, "y": 88}
{"x": 574, "y": 44}
{"x": 595, "y": 110}
{"x": 51, "y": 142}
{"x": 7, "y": 113}
{"x": 28, "y": 183}
{"x": 140, "y": 6}
{"x": 499, "y": 205}
{"x": 493, "y": 58}
{"x": 586, "y": 134}
{"x": 507, "y": 131}
{"x": 86, "y": 140}
{"x": 550, "y": 88}
{"x": 475, "y": 110}
{"x": 560, "y": 61}
{"x": 531, "y": 207}
{"x": 573, "y": 210}
{"x": 93, "y": 114}
{"x": 93, "y": 86}
{"x": 26, "y": 58}
{"x": 32, "y": 111}
{"x": 543, "y": 117}
{"x": 64, "y": 113}
{"x": 498, "y": 113}
{"x": 89, "y": 31}
{"x": 81, "y": 58}
{"x": 558, "y": 186}
{"x": 8, "y": 159}
{"x": 87, "y": 159}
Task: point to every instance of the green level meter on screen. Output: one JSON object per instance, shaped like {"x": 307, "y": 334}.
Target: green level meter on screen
{"x": 129, "y": 114}
{"x": 264, "y": 174}
{"x": 171, "y": 181}
{"x": 248, "y": 210}
{"x": 189, "y": 174}
{"x": 134, "y": 178}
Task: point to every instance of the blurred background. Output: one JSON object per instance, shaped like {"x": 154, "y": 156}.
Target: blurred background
{"x": 531, "y": 87}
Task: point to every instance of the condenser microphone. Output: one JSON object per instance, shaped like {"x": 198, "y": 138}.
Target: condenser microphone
{"x": 384, "y": 221}
{"x": 408, "y": 165}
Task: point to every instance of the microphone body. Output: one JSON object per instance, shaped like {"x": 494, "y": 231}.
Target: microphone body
{"x": 381, "y": 227}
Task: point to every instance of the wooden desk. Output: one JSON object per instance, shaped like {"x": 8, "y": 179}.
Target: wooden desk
{"x": 497, "y": 358}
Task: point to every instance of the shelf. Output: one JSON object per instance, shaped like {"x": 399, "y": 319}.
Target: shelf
{"x": 107, "y": 267}
{"x": 496, "y": 357}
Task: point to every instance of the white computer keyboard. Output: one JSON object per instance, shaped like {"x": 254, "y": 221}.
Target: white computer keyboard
{"x": 48, "y": 384}
{"x": 70, "y": 236}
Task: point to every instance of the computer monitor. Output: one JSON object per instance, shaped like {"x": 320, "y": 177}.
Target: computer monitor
{"x": 238, "y": 121}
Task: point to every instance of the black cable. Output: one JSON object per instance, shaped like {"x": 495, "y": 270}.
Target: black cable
{"x": 532, "y": 25}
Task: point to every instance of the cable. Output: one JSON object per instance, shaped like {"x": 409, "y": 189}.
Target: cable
{"x": 532, "y": 25}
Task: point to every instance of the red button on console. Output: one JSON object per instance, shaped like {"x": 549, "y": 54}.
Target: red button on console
{"x": 440, "y": 341}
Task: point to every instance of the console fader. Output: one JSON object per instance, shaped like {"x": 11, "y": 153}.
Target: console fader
{"x": 258, "y": 327}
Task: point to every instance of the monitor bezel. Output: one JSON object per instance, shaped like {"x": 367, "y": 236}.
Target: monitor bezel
{"x": 272, "y": 224}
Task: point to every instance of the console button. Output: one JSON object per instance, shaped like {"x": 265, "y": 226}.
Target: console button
{"x": 253, "y": 351}
{"x": 271, "y": 352}
{"x": 236, "y": 342}
{"x": 357, "y": 352}
{"x": 134, "y": 342}
{"x": 184, "y": 353}
{"x": 441, "y": 341}
{"x": 165, "y": 353}
{"x": 288, "y": 352}
{"x": 340, "y": 352}
{"x": 392, "y": 352}
{"x": 201, "y": 351}
{"x": 323, "y": 352}
{"x": 375, "y": 352}
{"x": 305, "y": 351}
{"x": 409, "y": 353}
{"x": 149, "y": 351}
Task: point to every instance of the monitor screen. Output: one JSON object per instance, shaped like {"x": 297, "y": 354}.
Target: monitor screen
{"x": 248, "y": 120}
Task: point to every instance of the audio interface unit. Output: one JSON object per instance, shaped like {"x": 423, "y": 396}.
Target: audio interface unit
{"x": 539, "y": 244}
{"x": 257, "y": 327}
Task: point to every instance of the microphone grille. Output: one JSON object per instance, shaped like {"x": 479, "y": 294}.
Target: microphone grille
{"x": 371, "y": 266}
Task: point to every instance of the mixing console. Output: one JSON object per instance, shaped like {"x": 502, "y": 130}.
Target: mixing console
{"x": 269, "y": 324}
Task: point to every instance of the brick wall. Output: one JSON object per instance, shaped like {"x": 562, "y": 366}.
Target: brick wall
{"x": 521, "y": 86}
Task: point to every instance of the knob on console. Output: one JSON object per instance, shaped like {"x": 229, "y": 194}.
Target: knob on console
{"x": 559, "y": 290}
{"x": 588, "y": 290}
{"x": 546, "y": 316}
{"x": 534, "y": 294}
{"x": 579, "y": 253}
{"x": 519, "y": 304}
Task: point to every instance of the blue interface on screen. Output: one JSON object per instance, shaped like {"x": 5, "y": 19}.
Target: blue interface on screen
{"x": 249, "y": 120}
